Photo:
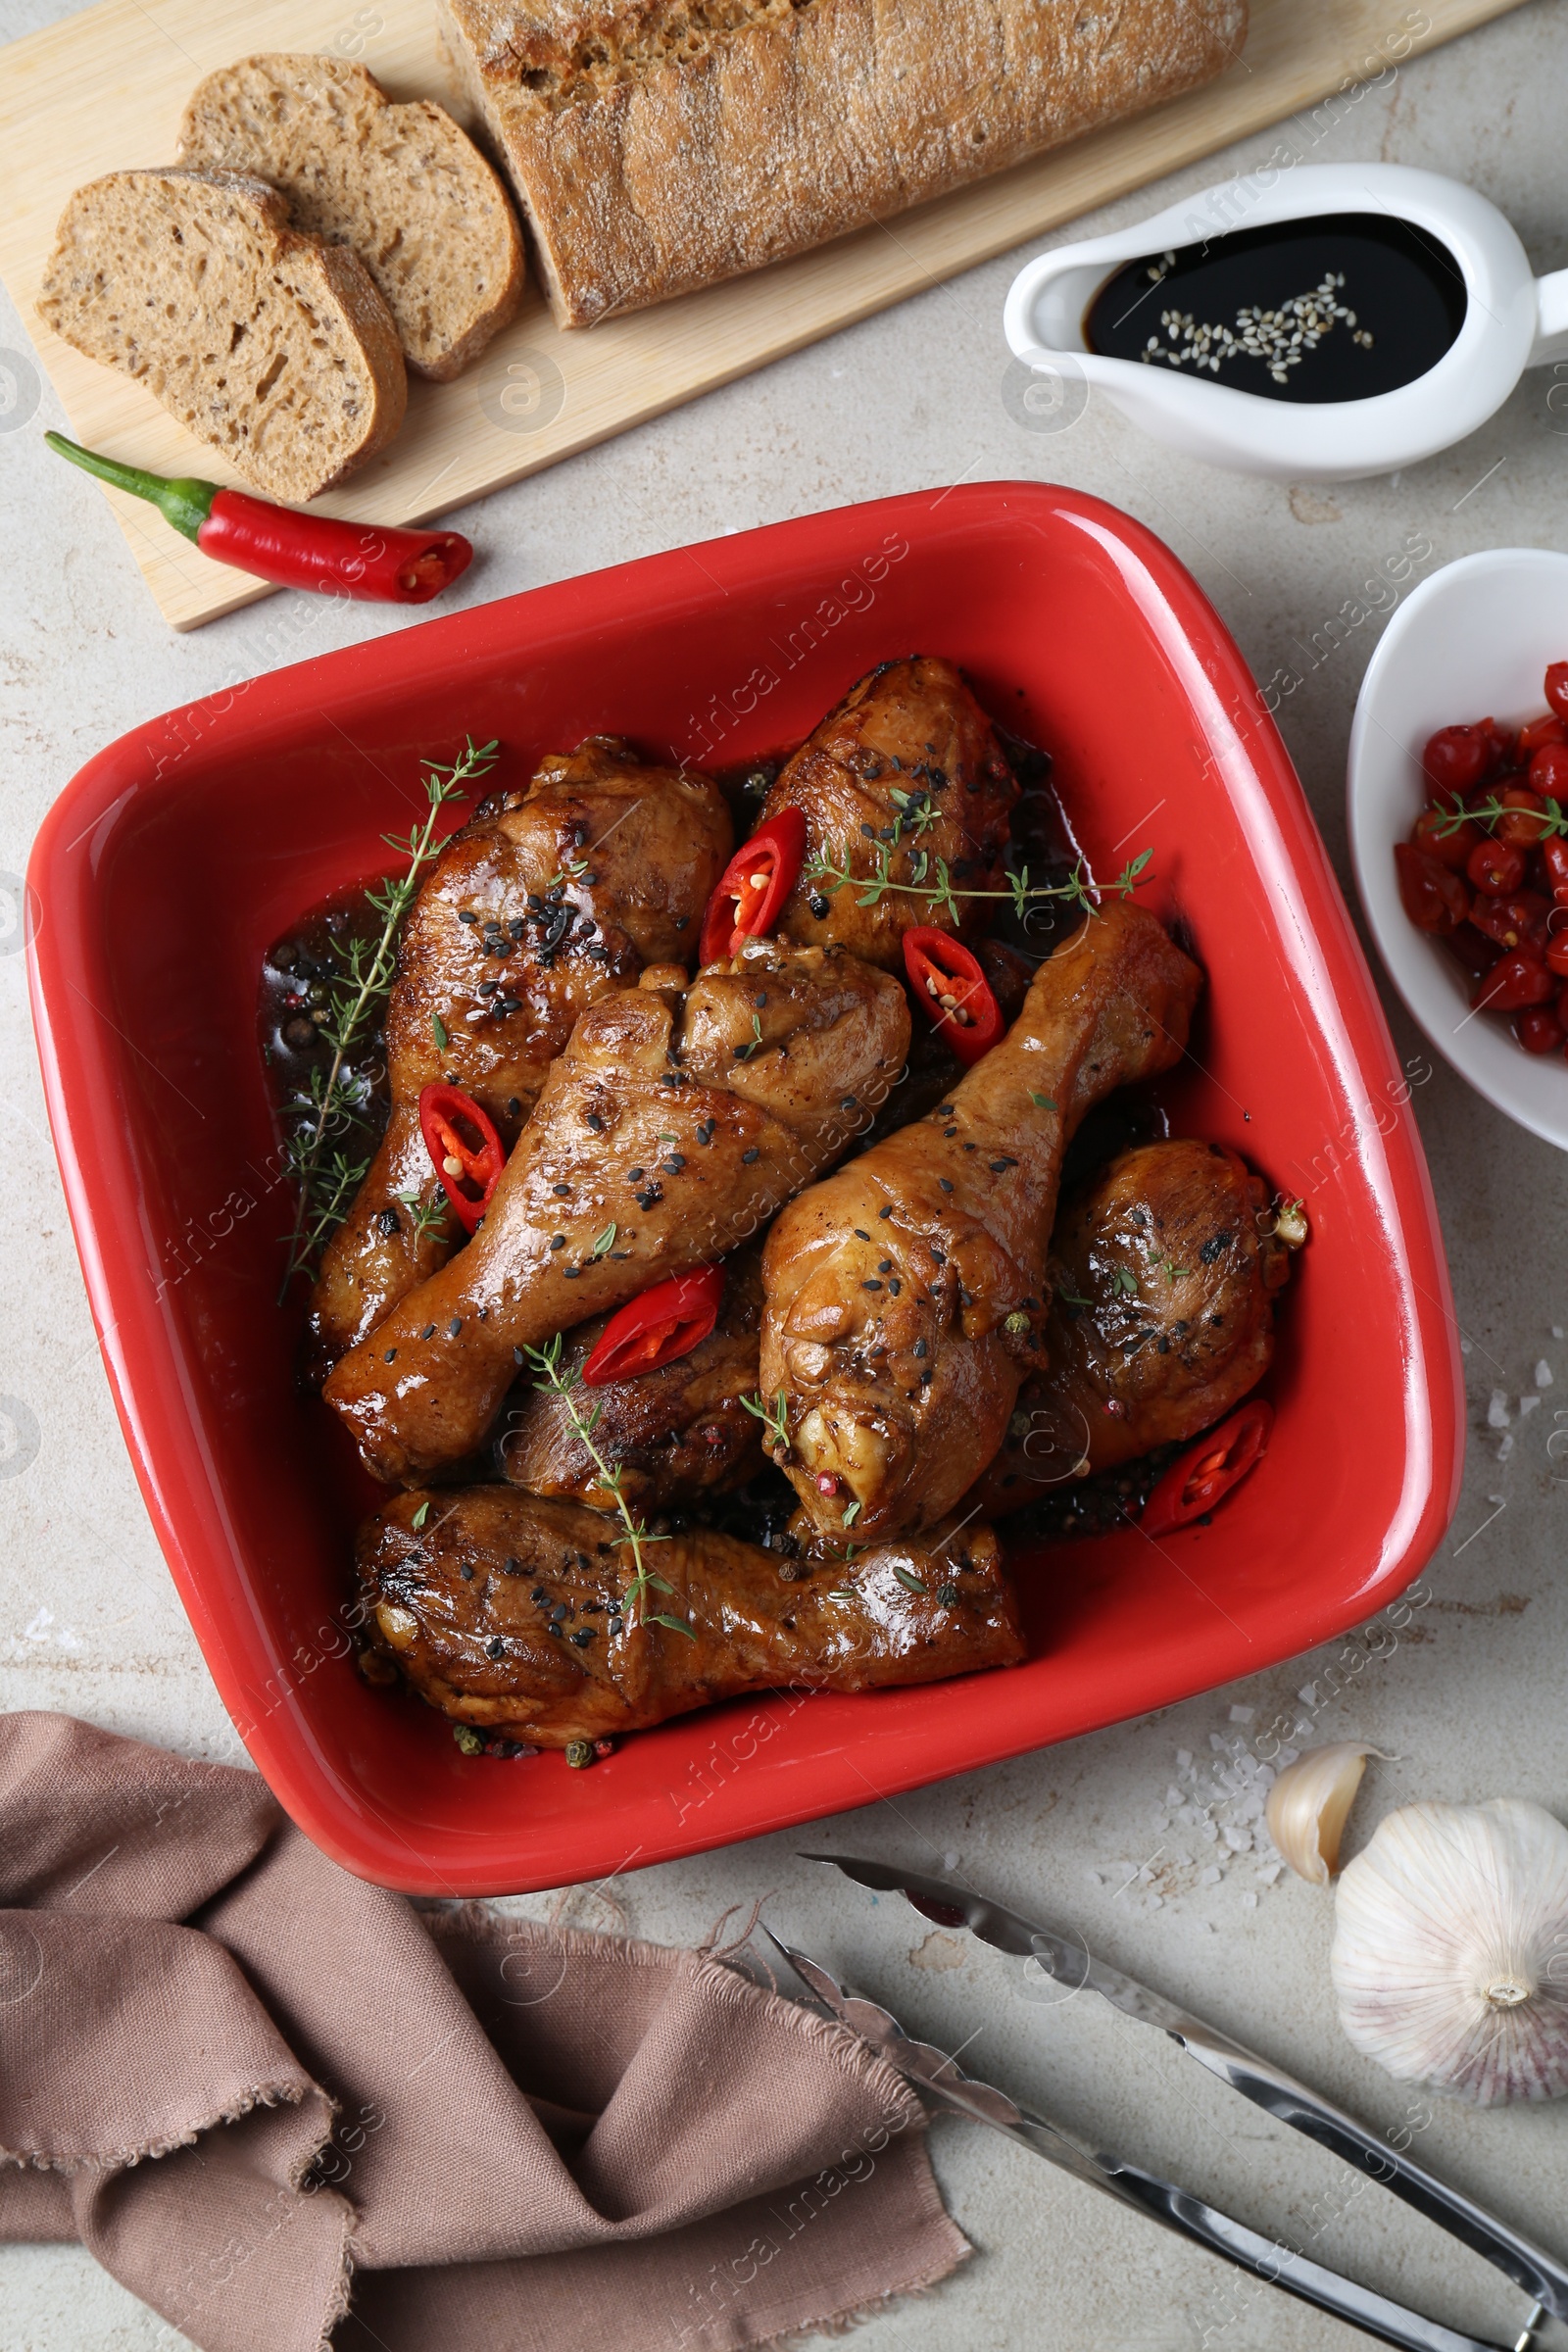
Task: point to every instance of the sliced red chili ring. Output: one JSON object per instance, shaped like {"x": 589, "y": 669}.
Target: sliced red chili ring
{"x": 753, "y": 886}
{"x": 465, "y": 1150}
{"x": 952, "y": 991}
{"x": 1209, "y": 1470}
{"x": 664, "y": 1323}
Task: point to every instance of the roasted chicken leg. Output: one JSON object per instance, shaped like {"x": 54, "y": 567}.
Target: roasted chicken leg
{"x": 511, "y": 1613}
{"x": 670, "y": 1435}
{"x": 910, "y": 763}
{"x": 541, "y": 904}
{"x": 1164, "y": 1273}
{"x": 906, "y": 1293}
{"x": 667, "y": 1133}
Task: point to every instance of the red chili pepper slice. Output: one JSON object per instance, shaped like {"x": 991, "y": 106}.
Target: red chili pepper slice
{"x": 469, "y": 1172}
{"x": 293, "y": 550}
{"x": 952, "y": 991}
{"x": 664, "y": 1323}
{"x": 1210, "y": 1471}
{"x": 753, "y": 886}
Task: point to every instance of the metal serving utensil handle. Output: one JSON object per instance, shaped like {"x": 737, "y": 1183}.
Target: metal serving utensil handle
{"x": 1277, "y": 2266}
{"x": 1290, "y": 2103}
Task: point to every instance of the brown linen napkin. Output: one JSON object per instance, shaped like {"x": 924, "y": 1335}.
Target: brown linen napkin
{"x": 256, "y": 2087}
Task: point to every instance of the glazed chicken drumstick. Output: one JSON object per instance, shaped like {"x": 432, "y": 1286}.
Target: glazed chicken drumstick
{"x": 547, "y": 900}
{"x": 512, "y": 1614}
{"x": 905, "y": 1294}
{"x": 672, "y": 1433}
{"x": 909, "y": 763}
{"x": 1165, "y": 1274}
{"x": 669, "y": 1130}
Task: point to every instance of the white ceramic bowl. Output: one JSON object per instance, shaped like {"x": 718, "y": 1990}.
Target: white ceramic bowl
{"x": 1472, "y": 642}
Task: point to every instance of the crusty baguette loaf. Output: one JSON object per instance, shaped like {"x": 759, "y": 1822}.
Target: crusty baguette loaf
{"x": 270, "y": 346}
{"x": 659, "y": 145}
{"x": 402, "y": 184}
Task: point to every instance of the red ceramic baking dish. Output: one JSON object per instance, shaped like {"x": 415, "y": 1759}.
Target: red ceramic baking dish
{"x": 176, "y": 855}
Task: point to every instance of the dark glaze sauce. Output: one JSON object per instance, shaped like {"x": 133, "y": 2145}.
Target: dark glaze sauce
{"x": 1356, "y": 304}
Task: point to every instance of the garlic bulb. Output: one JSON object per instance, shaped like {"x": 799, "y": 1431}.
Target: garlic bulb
{"x": 1451, "y": 1949}
{"x": 1309, "y": 1802}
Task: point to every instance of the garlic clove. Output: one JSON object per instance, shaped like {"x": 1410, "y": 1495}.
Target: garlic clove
{"x": 1451, "y": 1949}
{"x": 1309, "y": 1803}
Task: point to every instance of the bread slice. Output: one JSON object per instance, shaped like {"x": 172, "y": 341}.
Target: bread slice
{"x": 270, "y": 346}
{"x": 661, "y": 146}
{"x": 402, "y": 184}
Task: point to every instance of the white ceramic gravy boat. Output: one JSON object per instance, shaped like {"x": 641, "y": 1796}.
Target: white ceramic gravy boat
{"x": 1512, "y": 321}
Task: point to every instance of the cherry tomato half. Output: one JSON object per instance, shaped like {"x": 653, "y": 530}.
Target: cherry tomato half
{"x": 1457, "y": 758}
{"x": 1495, "y": 869}
{"x": 1210, "y": 1471}
{"x": 753, "y": 886}
{"x": 1517, "y": 980}
{"x": 664, "y": 1323}
{"x": 1521, "y": 828}
{"x": 953, "y": 992}
{"x": 465, "y": 1151}
{"x": 1450, "y": 847}
{"x": 1432, "y": 894}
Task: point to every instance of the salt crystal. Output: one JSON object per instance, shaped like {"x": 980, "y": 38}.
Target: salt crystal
{"x": 1183, "y": 1861}
{"x": 1210, "y": 1877}
{"x": 1556, "y": 1331}
{"x": 1505, "y": 1446}
{"x": 1216, "y": 1742}
{"x": 1288, "y": 1755}
{"x": 1243, "y": 1714}
{"x": 1208, "y": 1831}
{"x": 1527, "y": 1406}
{"x": 1156, "y": 1902}
{"x": 1270, "y": 1872}
{"x": 1184, "y": 1759}
{"x": 1248, "y": 1901}
{"x": 1205, "y": 1927}
{"x": 1464, "y": 1347}
{"x": 949, "y": 1861}
{"x": 1240, "y": 1841}
{"x": 1544, "y": 1371}
{"x": 1173, "y": 1797}
{"x": 1497, "y": 1413}
{"x": 1308, "y": 1694}
{"x": 1098, "y": 1878}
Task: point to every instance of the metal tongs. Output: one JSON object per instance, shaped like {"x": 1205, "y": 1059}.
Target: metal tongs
{"x": 1065, "y": 1961}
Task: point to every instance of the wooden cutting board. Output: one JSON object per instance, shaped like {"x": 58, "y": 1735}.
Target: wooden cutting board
{"x": 105, "y": 90}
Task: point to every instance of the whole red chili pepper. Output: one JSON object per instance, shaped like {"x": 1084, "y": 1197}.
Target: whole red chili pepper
{"x": 443, "y": 1113}
{"x": 1210, "y": 1471}
{"x": 952, "y": 991}
{"x": 291, "y": 548}
{"x": 664, "y": 1323}
{"x": 753, "y": 886}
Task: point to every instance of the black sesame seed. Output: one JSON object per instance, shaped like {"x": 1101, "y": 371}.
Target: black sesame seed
{"x": 870, "y": 831}
{"x": 511, "y": 1565}
{"x": 558, "y": 1240}
{"x": 387, "y": 1219}
{"x": 519, "y": 1357}
{"x": 819, "y": 907}
{"x": 886, "y": 1212}
{"x": 467, "y": 1572}
{"x": 559, "y": 1611}
{"x": 884, "y": 1265}
{"x": 517, "y": 926}
{"x": 496, "y": 1648}
{"x": 673, "y": 1165}
{"x": 895, "y": 1286}
{"x": 926, "y": 1377}
{"x": 946, "y": 1188}
{"x": 848, "y": 1103}
{"x": 391, "y": 1356}
{"x": 583, "y": 1636}
{"x": 538, "y": 1595}
{"x": 646, "y": 1200}
{"x": 570, "y": 1273}
{"x": 999, "y": 1167}
{"x": 965, "y": 1297}
{"x": 592, "y": 1119}
{"x": 860, "y": 1234}
{"x": 561, "y": 1191}
{"x": 634, "y": 1175}
{"x": 467, "y": 915}
{"x": 947, "y": 1134}
{"x": 920, "y": 1348}
{"x": 454, "y": 1327}
{"x": 949, "y": 1110}
{"x": 871, "y": 1286}
{"x": 747, "y": 1157}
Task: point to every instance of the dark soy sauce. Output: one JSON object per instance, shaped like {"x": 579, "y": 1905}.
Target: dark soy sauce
{"x": 1339, "y": 308}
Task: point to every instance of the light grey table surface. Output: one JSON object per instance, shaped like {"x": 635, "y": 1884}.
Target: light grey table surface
{"x": 1467, "y": 1694}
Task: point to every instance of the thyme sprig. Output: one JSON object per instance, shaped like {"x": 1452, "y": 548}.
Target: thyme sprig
{"x": 774, "y": 1418}
{"x": 565, "y": 1382}
{"x": 931, "y": 881}
{"x": 1487, "y": 812}
{"x": 428, "y": 1216}
{"x": 338, "y": 1098}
